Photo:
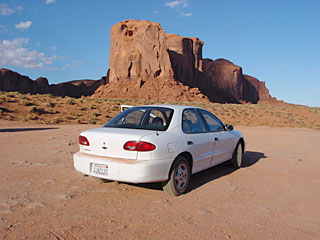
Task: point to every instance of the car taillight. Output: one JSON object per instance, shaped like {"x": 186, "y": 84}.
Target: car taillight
{"x": 130, "y": 146}
{"x": 139, "y": 146}
{"x": 83, "y": 141}
{"x": 145, "y": 147}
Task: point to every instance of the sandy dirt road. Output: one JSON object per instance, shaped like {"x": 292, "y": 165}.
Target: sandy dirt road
{"x": 275, "y": 195}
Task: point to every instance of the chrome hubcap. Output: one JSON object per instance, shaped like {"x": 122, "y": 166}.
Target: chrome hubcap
{"x": 239, "y": 155}
{"x": 181, "y": 176}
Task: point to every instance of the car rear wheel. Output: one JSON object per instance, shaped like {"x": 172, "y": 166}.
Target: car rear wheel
{"x": 179, "y": 177}
{"x": 237, "y": 156}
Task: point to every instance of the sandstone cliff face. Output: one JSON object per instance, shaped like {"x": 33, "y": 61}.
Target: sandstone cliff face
{"x": 227, "y": 81}
{"x": 263, "y": 92}
{"x": 13, "y": 81}
{"x": 186, "y": 59}
{"x": 138, "y": 51}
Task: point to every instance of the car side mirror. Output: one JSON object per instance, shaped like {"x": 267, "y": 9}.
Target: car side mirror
{"x": 229, "y": 127}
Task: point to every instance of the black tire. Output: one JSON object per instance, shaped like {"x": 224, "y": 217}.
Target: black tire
{"x": 237, "y": 156}
{"x": 179, "y": 177}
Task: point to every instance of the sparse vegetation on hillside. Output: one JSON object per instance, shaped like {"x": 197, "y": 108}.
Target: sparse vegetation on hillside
{"x": 47, "y": 109}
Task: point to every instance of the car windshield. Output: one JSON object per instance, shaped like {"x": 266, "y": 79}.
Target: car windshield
{"x": 150, "y": 118}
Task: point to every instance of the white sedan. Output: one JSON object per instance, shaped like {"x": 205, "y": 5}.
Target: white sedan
{"x": 158, "y": 143}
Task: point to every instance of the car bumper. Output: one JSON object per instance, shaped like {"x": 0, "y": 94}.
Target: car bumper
{"x": 124, "y": 170}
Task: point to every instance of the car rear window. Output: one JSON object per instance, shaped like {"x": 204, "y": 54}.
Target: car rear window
{"x": 150, "y": 118}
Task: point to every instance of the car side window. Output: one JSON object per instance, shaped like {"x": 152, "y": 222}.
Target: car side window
{"x": 214, "y": 124}
{"x": 191, "y": 122}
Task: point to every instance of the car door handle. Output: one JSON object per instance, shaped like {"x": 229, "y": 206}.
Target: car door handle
{"x": 216, "y": 139}
{"x": 190, "y": 143}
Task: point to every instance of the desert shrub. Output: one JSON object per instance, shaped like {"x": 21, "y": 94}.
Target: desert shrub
{"x": 22, "y": 96}
{"x": 78, "y": 121}
{"x": 37, "y": 110}
{"x": 12, "y": 94}
{"x": 4, "y": 99}
{"x": 91, "y": 106}
{"x": 92, "y": 121}
{"x": 25, "y": 102}
{"x": 302, "y": 122}
{"x": 31, "y": 117}
{"x": 50, "y": 104}
{"x": 70, "y": 101}
{"x": 33, "y": 109}
{"x": 80, "y": 100}
{"x": 56, "y": 120}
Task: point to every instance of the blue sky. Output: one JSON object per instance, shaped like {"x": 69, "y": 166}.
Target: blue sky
{"x": 275, "y": 41}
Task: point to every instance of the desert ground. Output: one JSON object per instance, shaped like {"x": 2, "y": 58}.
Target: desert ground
{"x": 275, "y": 195}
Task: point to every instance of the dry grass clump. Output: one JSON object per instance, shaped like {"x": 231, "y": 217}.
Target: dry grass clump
{"x": 48, "y": 109}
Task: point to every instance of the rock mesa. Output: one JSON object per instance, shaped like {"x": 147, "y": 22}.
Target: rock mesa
{"x": 13, "y": 81}
{"x": 145, "y": 63}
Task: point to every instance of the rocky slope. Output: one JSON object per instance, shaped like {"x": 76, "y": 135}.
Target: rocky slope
{"x": 160, "y": 89}
{"x": 143, "y": 57}
{"x": 13, "y": 81}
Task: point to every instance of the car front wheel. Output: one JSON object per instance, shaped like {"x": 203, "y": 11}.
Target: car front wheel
{"x": 237, "y": 156}
{"x": 179, "y": 177}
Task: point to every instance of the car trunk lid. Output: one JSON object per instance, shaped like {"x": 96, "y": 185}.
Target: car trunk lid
{"x": 109, "y": 142}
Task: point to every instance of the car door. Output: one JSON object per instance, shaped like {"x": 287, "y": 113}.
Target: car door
{"x": 198, "y": 140}
{"x": 223, "y": 140}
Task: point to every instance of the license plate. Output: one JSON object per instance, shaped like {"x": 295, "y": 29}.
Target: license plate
{"x": 100, "y": 169}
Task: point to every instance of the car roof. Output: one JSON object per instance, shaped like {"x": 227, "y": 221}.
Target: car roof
{"x": 172, "y": 106}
